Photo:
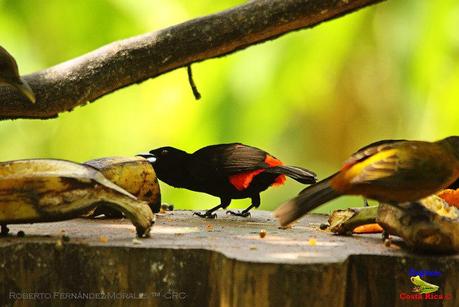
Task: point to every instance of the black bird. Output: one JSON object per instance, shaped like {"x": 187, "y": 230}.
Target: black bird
{"x": 9, "y": 75}
{"x": 228, "y": 171}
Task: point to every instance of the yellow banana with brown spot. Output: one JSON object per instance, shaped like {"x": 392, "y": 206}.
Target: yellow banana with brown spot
{"x": 44, "y": 190}
{"x": 135, "y": 175}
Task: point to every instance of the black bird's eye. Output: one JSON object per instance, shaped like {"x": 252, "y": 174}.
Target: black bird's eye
{"x": 164, "y": 152}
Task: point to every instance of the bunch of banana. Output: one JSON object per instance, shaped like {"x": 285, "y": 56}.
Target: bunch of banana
{"x": 135, "y": 175}
{"x": 42, "y": 190}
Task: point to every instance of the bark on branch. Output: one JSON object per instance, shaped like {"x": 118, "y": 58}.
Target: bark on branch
{"x": 86, "y": 78}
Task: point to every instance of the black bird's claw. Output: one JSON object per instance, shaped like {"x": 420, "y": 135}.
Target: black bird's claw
{"x": 385, "y": 235}
{"x": 207, "y": 215}
{"x": 239, "y": 213}
{"x": 4, "y": 230}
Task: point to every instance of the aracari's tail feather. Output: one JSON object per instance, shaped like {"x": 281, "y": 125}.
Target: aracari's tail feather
{"x": 308, "y": 199}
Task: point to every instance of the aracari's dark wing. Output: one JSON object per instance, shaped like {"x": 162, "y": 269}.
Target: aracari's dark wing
{"x": 379, "y": 143}
{"x": 369, "y": 150}
{"x": 230, "y": 159}
{"x": 402, "y": 165}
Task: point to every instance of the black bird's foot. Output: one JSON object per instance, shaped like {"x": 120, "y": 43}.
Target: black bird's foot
{"x": 385, "y": 235}
{"x": 5, "y": 230}
{"x": 239, "y": 213}
{"x": 207, "y": 214}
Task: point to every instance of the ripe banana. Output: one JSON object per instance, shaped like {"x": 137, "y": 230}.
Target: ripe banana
{"x": 44, "y": 190}
{"x": 135, "y": 175}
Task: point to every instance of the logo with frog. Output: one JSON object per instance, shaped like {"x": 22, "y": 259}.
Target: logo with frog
{"x": 422, "y": 286}
{"x": 424, "y": 290}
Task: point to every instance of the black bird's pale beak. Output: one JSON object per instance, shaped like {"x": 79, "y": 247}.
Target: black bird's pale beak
{"x": 25, "y": 89}
{"x": 150, "y": 157}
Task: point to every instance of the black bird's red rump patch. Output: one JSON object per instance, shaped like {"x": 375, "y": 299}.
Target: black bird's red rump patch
{"x": 242, "y": 181}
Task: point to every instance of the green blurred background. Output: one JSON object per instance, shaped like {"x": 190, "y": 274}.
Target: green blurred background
{"x": 310, "y": 98}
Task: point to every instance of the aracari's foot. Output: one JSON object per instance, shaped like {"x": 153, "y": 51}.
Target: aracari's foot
{"x": 207, "y": 214}
{"x": 239, "y": 213}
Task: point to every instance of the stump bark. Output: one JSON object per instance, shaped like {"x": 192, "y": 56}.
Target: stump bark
{"x": 224, "y": 262}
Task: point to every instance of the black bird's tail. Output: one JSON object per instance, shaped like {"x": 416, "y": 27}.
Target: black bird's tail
{"x": 297, "y": 173}
{"x": 308, "y": 199}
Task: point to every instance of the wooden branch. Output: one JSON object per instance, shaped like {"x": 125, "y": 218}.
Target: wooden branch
{"x": 133, "y": 60}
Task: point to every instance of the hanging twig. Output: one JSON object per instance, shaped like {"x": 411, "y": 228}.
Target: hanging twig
{"x": 196, "y": 93}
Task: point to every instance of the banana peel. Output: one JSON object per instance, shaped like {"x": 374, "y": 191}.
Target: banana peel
{"x": 345, "y": 221}
{"x": 45, "y": 190}
{"x": 133, "y": 174}
{"x": 429, "y": 225}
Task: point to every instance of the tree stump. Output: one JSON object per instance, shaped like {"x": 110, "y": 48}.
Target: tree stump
{"x": 189, "y": 261}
